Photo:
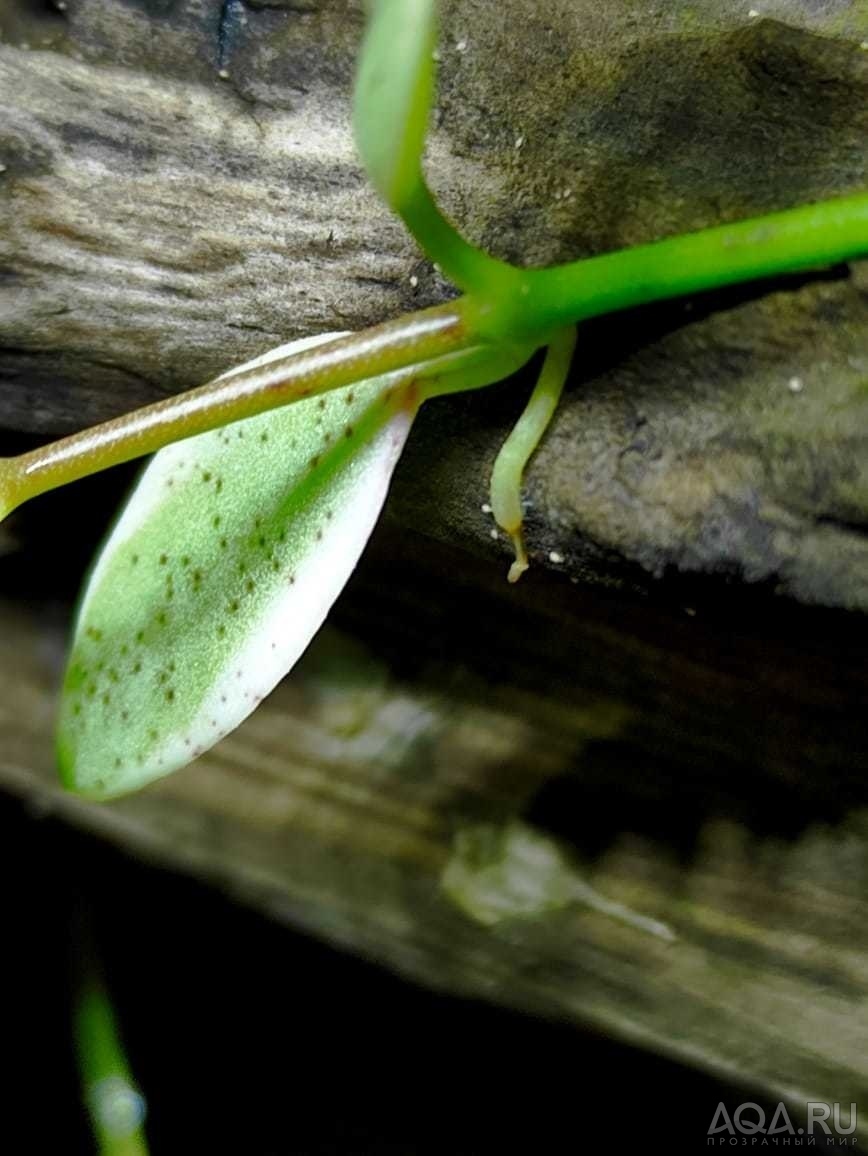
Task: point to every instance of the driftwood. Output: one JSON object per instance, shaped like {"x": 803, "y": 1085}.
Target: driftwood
{"x": 447, "y": 773}
{"x": 460, "y": 776}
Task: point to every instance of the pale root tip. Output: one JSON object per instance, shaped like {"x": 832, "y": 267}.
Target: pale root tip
{"x": 521, "y": 563}
{"x": 515, "y": 571}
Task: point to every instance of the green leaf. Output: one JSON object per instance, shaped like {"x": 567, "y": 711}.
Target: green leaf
{"x": 218, "y": 573}
{"x": 394, "y": 90}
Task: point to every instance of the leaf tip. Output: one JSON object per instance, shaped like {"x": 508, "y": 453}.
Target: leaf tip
{"x": 69, "y": 771}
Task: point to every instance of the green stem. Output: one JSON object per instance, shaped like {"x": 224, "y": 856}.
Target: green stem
{"x": 526, "y": 309}
{"x": 469, "y": 268}
{"x": 792, "y": 241}
{"x": 478, "y": 367}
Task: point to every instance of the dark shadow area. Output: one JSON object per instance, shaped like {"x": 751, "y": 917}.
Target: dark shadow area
{"x": 248, "y": 1038}
{"x": 741, "y": 710}
{"x": 593, "y": 807}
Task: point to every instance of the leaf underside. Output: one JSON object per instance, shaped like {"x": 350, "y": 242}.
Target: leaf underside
{"x": 219, "y": 571}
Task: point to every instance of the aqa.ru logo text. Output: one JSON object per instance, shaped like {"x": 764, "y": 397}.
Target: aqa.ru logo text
{"x": 748, "y": 1124}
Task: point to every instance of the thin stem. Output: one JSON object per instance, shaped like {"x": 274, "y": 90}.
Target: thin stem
{"x": 788, "y": 242}
{"x": 392, "y": 107}
{"x": 418, "y": 337}
{"x": 470, "y": 268}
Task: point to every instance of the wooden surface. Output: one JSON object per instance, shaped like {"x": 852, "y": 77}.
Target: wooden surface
{"x": 454, "y": 763}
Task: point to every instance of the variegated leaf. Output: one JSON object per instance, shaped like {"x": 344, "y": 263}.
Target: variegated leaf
{"x": 218, "y": 573}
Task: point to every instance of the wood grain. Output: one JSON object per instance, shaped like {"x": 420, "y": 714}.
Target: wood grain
{"x": 709, "y": 779}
